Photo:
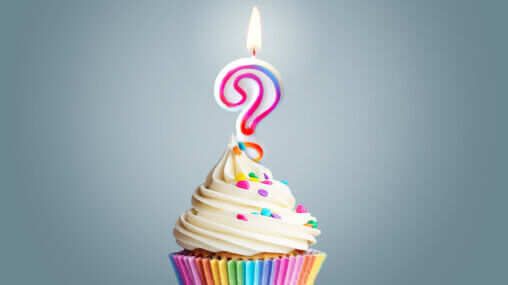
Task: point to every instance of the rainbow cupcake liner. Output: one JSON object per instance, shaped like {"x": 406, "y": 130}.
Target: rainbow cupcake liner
{"x": 294, "y": 270}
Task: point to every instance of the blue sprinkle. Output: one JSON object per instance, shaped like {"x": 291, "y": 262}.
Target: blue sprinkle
{"x": 255, "y": 213}
{"x": 241, "y": 145}
{"x": 266, "y": 212}
{"x": 285, "y": 182}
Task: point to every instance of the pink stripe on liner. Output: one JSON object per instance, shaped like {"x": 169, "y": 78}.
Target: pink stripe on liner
{"x": 183, "y": 270}
{"x": 296, "y": 271}
{"x": 289, "y": 271}
{"x": 191, "y": 261}
{"x": 188, "y": 268}
{"x": 282, "y": 271}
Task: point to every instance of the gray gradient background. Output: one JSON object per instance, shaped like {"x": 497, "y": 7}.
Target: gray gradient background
{"x": 392, "y": 132}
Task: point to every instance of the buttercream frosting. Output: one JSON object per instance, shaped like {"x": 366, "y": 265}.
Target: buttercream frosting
{"x": 214, "y": 222}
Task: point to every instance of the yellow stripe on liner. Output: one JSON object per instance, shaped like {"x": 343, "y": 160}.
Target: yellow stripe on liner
{"x": 214, "y": 264}
{"x": 320, "y": 258}
{"x": 223, "y": 270}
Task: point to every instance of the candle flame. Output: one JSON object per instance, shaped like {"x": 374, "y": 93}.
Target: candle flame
{"x": 254, "y": 32}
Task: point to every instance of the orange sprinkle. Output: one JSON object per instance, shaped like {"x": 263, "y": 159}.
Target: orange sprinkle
{"x": 308, "y": 225}
{"x": 237, "y": 150}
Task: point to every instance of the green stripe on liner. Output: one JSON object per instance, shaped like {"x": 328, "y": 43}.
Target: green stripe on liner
{"x": 232, "y": 272}
{"x": 239, "y": 272}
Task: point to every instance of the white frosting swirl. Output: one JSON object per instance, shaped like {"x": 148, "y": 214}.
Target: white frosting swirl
{"x": 213, "y": 225}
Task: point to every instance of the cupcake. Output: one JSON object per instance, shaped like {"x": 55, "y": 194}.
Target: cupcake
{"x": 245, "y": 228}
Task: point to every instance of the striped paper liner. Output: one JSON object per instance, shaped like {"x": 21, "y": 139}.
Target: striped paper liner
{"x": 294, "y": 270}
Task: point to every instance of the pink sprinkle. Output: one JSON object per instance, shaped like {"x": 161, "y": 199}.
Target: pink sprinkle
{"x": 267, "y": 182}
{"x": 266, "y": 176}
{"x": 300, "y": 209}
{"x": 243, "y": 184}
{"x": 241, "y": 217}
{"x": 263, "y": 192}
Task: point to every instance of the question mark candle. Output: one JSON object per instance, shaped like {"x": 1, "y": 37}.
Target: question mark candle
{"x": 251, "y": 86}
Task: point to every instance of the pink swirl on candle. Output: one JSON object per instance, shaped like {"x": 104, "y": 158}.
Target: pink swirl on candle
{"x": 249, "y": 130}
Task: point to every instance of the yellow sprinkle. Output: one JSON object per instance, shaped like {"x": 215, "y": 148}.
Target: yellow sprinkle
{"x": 254, "y": 179}
{"x": 241, "y": 177}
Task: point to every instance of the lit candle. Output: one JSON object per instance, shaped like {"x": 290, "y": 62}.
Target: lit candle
{"x": 251, "y": 86}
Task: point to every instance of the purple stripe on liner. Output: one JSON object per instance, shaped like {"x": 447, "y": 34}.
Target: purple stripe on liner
{"x": 267, "y": 272}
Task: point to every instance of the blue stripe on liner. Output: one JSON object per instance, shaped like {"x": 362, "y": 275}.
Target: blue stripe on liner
{"x": 267, "y": 270}
{"x": 175, "y": 267}
{"x": 258, "y": 272}
{"x": 249, "y": 273}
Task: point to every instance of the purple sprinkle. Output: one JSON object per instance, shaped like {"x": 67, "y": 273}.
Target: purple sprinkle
{"x": 266, "y": 176}
{"x": 263, "y": 192}
{"x": 275, "y": 216}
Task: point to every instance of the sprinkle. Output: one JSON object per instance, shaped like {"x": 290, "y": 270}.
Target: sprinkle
{"x": 254, "y": 179}
{"x": 300, "y": 209}
{"x": 241, "y": 145}
{"x": 263, "y": 192}
{"x": 254, "y": 213}
{"x": 252, "y": 174}
{"x": 237, "y": 150}
{"x": 275, "y": 216}
{"x": 266, "y": 212}
{"x": 285, "y": 182}
{"x": 266, "y": 176}
{"x": 243, "y": 185}
{"x": 309, "y": 225}
{"x": 313, "y": 223}
{"x": 241, "y": 217}
{"x": 240, "y": 177}
{"x": 267, "y": 182}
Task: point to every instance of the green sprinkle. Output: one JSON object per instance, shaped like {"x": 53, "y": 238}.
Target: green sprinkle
{"x": 313, "y": 223}
{"x": 252, "y": 174}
